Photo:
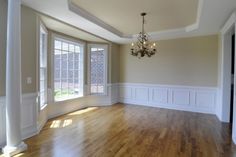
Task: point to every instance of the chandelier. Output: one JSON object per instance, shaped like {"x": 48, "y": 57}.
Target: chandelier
{"x": 143, "y": 47}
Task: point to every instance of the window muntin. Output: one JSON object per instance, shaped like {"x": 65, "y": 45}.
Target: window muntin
{"x": 68, "y": 69}
{"x": 42, "y": 67}
{"x": 97, "y": 62}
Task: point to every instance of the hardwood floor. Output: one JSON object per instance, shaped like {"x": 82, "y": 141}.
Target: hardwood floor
{"x": 128, "y": 130}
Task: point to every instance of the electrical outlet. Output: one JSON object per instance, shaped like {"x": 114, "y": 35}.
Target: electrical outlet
{"x": 29, "y": 80}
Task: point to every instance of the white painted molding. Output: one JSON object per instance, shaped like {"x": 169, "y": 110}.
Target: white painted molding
{"x": 28, "y": 117}
{"x": 154, "y": 35}
{"x": 56, "y": 109}
{"x": 186, "y": 98}
{"x": 199, "y": 13}
{"x": 85, "y": 14}
{"x": 2, "y": 122}
{"x": 230, "y": 22}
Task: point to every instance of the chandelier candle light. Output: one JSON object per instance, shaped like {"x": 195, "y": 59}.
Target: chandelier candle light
{"x": 143, "y": 47}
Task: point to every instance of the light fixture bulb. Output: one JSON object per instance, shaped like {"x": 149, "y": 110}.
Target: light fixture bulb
{"x": 143, "y": 47}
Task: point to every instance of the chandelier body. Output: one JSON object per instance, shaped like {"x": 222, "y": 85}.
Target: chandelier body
{"x": 143, "y": 47}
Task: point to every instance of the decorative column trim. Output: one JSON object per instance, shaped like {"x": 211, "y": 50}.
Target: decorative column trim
{"x": 14, "y": 141}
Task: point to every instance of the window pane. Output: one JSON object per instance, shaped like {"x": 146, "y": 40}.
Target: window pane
{"x": 65, "y": 46}
{"x": 57, "y": 44}
{"x": 64, "y": 74}
{"x": 97, "y": 70}
{"x": 57, "y": 54}
{"x": 42, "y": 68}
{"x": 77, "y": 49}
{"x": 57, "y": 74}
{"x": 64, "y": 84}
{"x": 66, "y": 70}
{"x": 71, "y": 48}
{"x": 76, "y": 65}
{"x": 57, "y": 84}
{"x": 71, "y": 74}
{"x": 42, "y": 74}
{"x": 42, "y": 86}
{"x": 76, "y": 74}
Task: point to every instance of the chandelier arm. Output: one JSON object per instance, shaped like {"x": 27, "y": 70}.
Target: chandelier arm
{"x": 143, "y": 47}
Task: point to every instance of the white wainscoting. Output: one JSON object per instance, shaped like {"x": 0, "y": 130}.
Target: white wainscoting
{"x": 55, "y": 109}
{"x": 194, "y": 99}
{"x": 28, "y": 117}
{"x": 2, "y": 122}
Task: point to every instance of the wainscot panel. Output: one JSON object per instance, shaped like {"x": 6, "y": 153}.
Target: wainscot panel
{"x": 186, "y": 98}
{"x": 28, "y": 117}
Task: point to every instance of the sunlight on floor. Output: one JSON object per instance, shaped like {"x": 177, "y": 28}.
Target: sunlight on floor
{"x": 61, "y": 123}
{"x": 67, "y": 122}
{"x": 18, "y": 155}
{"x": 83, "y": 111}
{"x": 55, "y": 124}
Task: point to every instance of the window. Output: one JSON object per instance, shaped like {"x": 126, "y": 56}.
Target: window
{"x": 43, "y": 66}
{"x": 97, "y": 66}
{"x": 68, "y": 69}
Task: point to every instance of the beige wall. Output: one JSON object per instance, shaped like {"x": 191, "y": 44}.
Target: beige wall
{"x": 115, "y": 60}
{"x": 186, "y": 61}
{"x": 3, "y": 30}
{"x": 219, "y": 60}
{"x": 28, "y": 48}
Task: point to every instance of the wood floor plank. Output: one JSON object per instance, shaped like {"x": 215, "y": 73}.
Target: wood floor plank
{"x": 132, "y": 131}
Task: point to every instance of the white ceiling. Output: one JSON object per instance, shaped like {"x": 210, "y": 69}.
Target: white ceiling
{"x": 210, "y": 16}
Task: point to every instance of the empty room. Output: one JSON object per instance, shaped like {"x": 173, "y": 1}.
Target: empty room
{"x": 117, "y": 78}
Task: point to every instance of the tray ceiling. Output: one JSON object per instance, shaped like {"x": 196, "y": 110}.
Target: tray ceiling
{"x": 124, "y": 15}
{"x": 119, "y": 20}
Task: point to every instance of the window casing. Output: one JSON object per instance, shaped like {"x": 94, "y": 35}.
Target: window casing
{"x": 68, "y": 68}
{"x": 97, "y": 69}
{"x": 42, "y": 66}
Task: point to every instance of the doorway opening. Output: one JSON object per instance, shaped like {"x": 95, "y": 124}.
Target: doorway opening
{"x": 232, "y": 78}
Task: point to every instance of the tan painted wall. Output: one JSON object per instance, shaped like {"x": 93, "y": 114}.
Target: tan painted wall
{"x": 3, "y": 30}
{"x": 28, "y": 48}
{"x": 186, "y": 61}
{"x": 115, "y": 60}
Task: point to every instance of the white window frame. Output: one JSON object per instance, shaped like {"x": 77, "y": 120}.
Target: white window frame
{"x": 55, "y": 36}
{"x": 105, "y": 47}
{"x": 43, "y": 29}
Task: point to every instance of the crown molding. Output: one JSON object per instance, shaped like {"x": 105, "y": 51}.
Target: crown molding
{"x": 85, "y": 14}
{"x": 165, "y": 34}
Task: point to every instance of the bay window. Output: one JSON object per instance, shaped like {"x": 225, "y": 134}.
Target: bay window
{"x": 68, "y": 68}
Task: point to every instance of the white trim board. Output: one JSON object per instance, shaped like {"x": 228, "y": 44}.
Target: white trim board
{"x": 194, "y": 99}
{"x": 28, "y": 117}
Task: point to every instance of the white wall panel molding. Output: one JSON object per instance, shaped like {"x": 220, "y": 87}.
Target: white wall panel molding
{"x": 59, "y": 108}
{"x": 2, "y": 122}
{"x": 187, "y": 98}
{"x": 28, "y": 117}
